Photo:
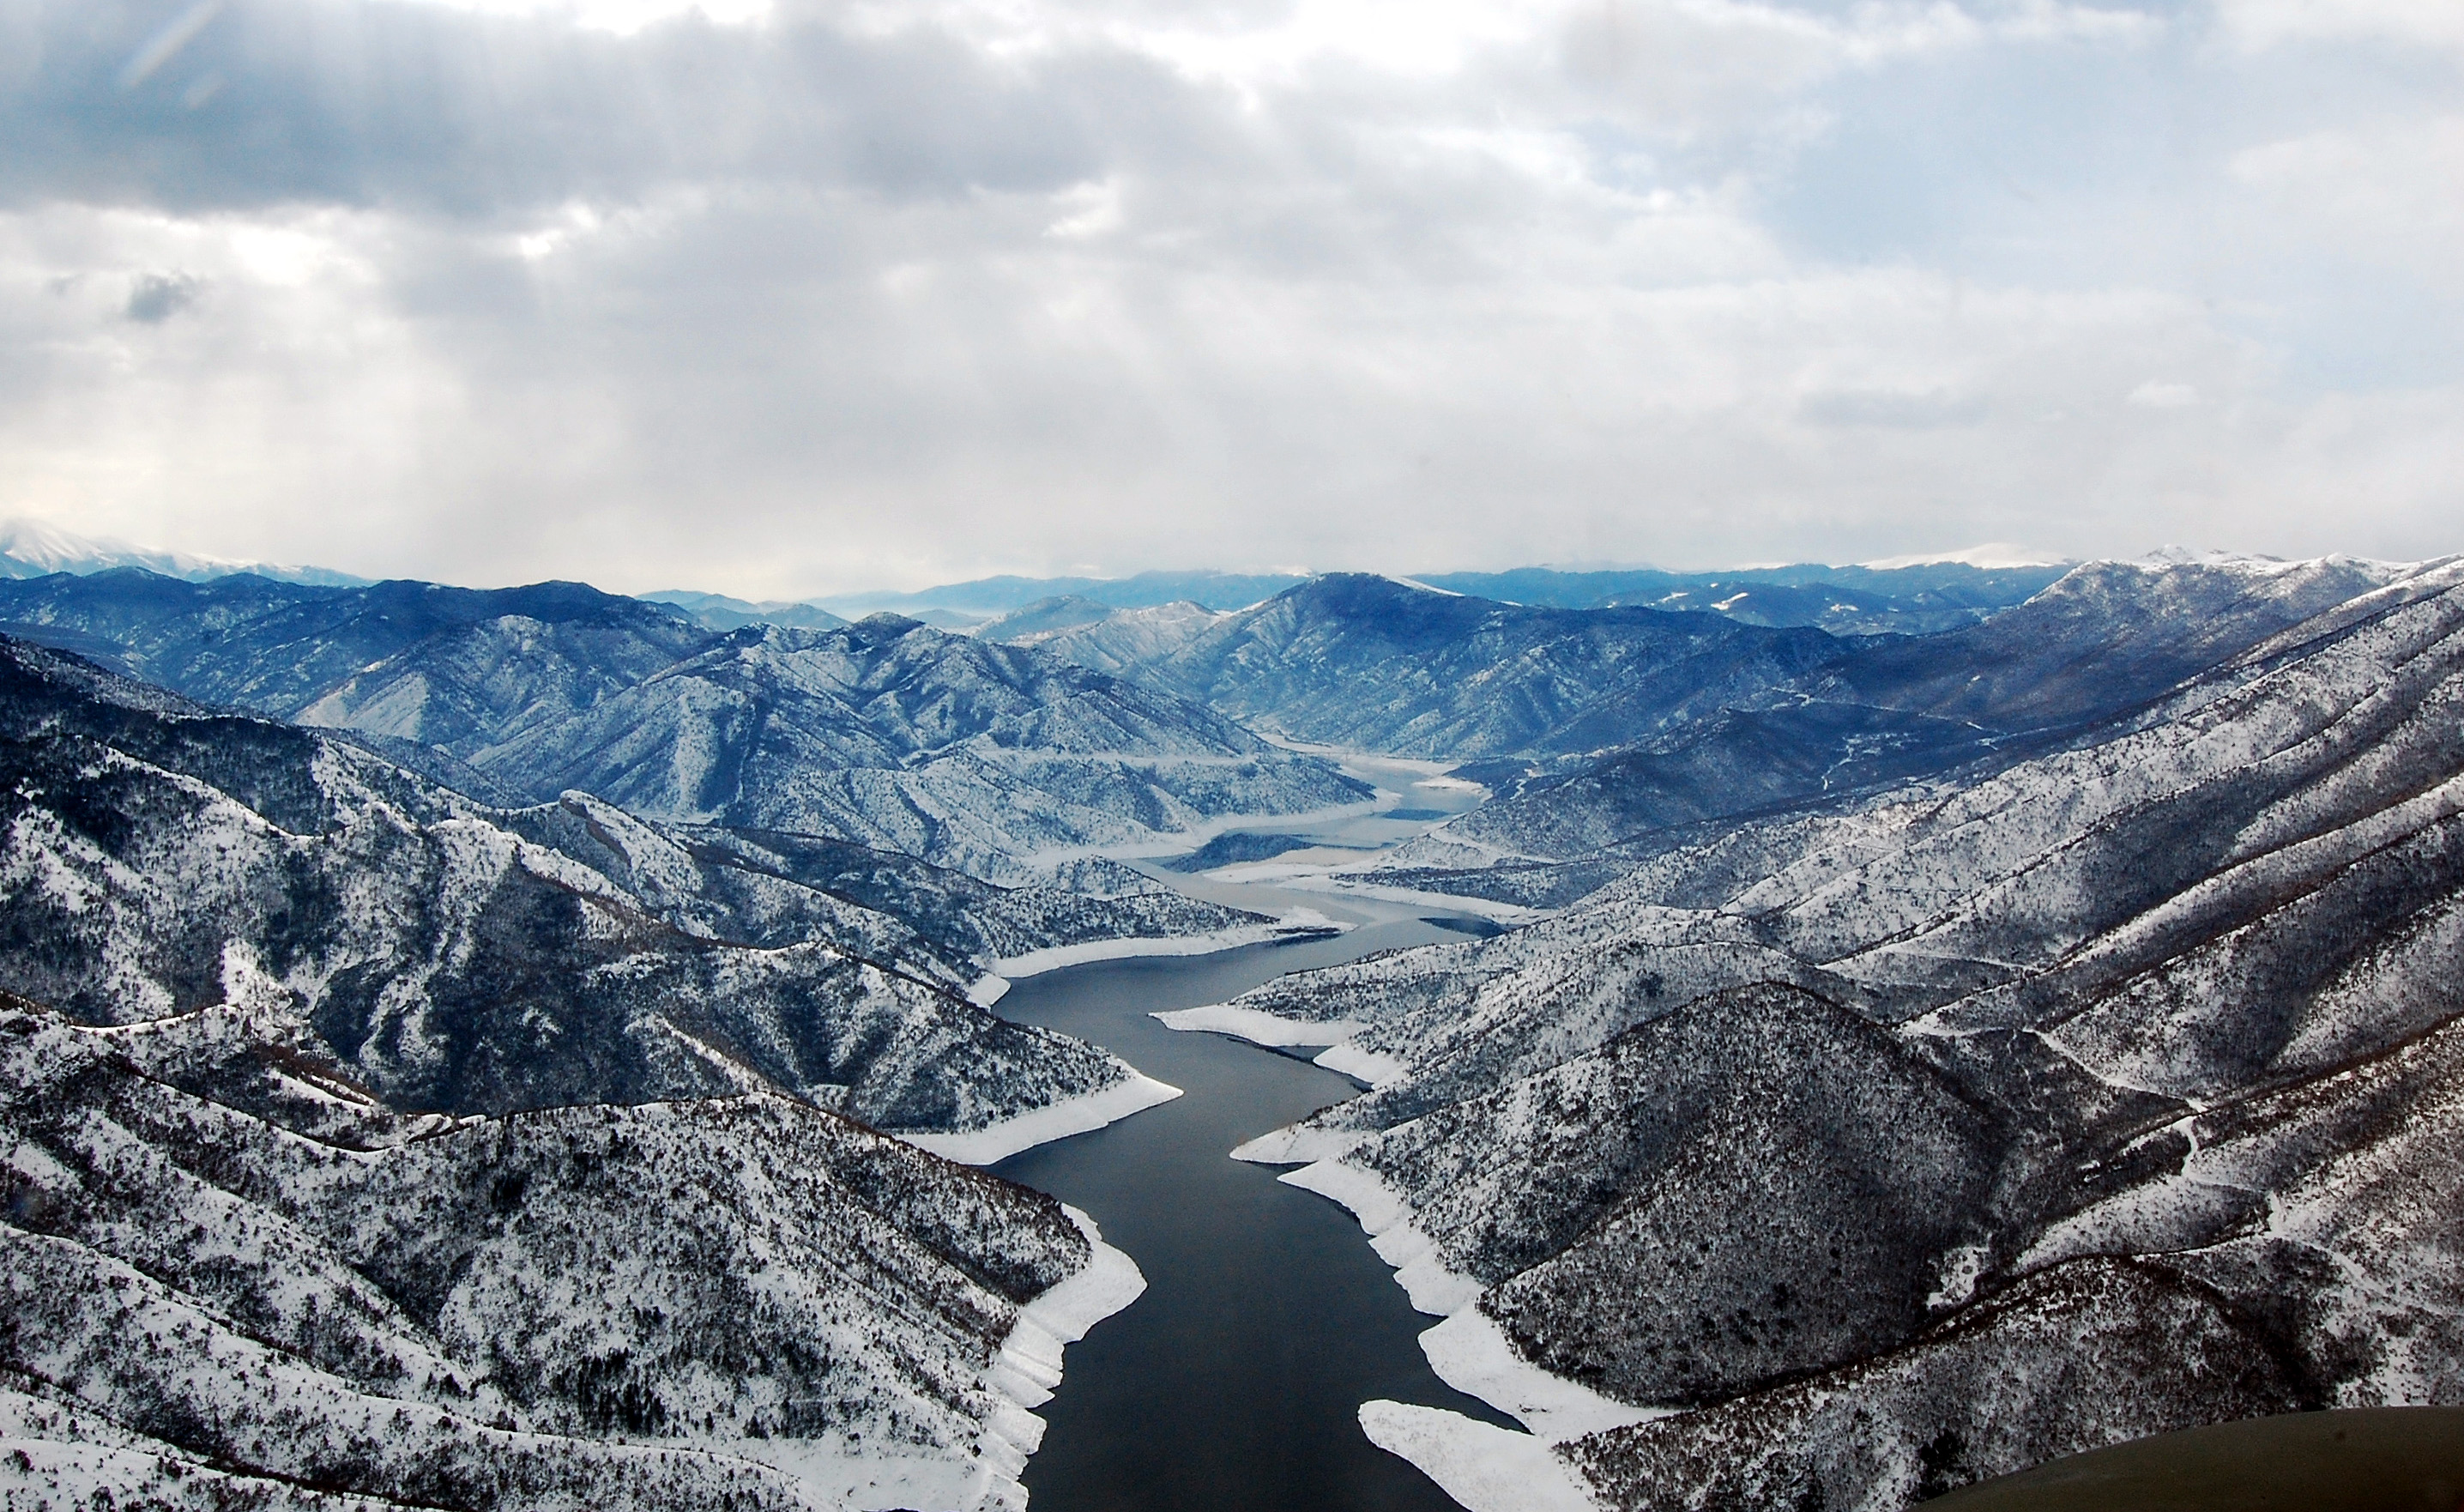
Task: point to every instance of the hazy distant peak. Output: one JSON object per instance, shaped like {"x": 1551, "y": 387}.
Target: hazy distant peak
{"x": 38, "y": 548}
{"x": 720, "y": 612}
{"x": 1990, "y": 556}
{"x": 1059, "y": 612}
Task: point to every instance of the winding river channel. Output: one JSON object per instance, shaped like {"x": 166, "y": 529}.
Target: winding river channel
{"x": 1233, "y": 1384}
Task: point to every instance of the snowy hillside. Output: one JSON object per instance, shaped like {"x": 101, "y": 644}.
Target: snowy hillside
{"x": 1380, "y": 664}
{"x": 457, "y": 668}
{"x": 1923, "y": 1139}
{"x": 971, "y": 755}
{"x": 1120, "y": 641}
{"x": 157, "y": 860}
{"x": 233, "y": 1278}
{"x": 989, "y": 759}
{"x": 2103, "y": 640}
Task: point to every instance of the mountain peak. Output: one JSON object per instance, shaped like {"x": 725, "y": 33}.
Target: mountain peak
{"x": 39, "y": 548}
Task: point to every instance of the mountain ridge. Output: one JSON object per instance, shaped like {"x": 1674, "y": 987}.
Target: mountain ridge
{"x": 2193, "y": 981}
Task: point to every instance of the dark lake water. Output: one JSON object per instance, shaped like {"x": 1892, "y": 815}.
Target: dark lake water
{"x": 1232, "y": 1384}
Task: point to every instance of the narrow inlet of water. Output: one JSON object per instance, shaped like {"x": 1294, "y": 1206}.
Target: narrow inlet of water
{"x": 1234, "y": 1384}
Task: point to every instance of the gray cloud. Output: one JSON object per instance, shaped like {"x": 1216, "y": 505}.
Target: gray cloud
{"x": 439, "y": 111}
{"x": 869, "y": 294}
{"x": 154, "y": 298}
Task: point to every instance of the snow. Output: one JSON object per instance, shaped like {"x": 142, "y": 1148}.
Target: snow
{"x": 1078, "y": 1115}
{"x": 1373, "y": 1068}
{"x": 989, "y": 988}
{"x": 1035, "y": 963}
{"x": 1992, "y": 555}
{"x": 1029, "y": 1367}
{"x": 1258, "y": 1028}
{"x": 1030, "y": 1361}
{"x": 1349, "y": 884}
{"x": 1486, "y": 1468}
{"x": 1482, "y": 1467}
{"x": 1386, "y": 1218}
{"x": 1471, "y": 1353}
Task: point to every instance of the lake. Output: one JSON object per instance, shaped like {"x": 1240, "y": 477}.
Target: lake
{"x": 1232, "y": 1384}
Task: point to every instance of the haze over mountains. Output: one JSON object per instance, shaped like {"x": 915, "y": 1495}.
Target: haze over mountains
{"x": 1907, "y": 1037}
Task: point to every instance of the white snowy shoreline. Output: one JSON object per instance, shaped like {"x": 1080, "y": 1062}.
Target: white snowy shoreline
{"x": 1022, "y": 1375}
{"x": 1258, "y": 1028}
{"x": 1029, "y": 1367}
{"x": 1299, "y": 923}
{"x": 1486, "y": 1468}
{"x": 1368, "y": 1067}
{"x": 1078, "y": 1115}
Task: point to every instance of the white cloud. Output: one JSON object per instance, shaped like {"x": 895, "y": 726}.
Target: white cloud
{"x": 2389, "y": 193}
{"x": 867, "y": 293}
{"x": 2157, "y": 395}
{"x": 2258, "y": 24}
{"x": 623, "y": 18}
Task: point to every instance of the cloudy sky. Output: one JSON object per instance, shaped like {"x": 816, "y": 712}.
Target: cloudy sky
{"x": 797, "y": 297}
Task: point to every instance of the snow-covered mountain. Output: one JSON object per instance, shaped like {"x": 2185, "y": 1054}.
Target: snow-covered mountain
{"x": 234, "y": 1278}
{"x": 1381, "y": 665}
{"x": 33, "y": 548}
{"x": 974, "y": 755}
{"x": 1933, "y": 1134}
{"x": 457, "y": 668}
{"x": 2105, "y": 639}
{"x": 719, "y": 612}
{"x": 1120, "y": 641}
{"x": 982, "y": 757}
{"x": 158, "y": 859}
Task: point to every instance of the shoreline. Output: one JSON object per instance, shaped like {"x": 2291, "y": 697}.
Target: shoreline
{"x": 1303, "y": 923}
{"x": 1028, "y": 1367}
{"x": 1484, "y": 1467}
{"x": 1370, "y": 1068}
{"x": 1082, "y": 1114}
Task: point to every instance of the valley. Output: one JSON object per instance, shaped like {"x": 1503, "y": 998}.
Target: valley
{"x": 1776, "y": 1064}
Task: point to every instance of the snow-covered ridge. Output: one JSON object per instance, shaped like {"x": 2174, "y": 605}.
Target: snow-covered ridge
{"x": 465, "y": 958}
{"x": 1986, "y": 1112}
{"x": 2106, "y": 639}
{"x": 1075, "y": 1115}
{"x": 197, "y": 1282}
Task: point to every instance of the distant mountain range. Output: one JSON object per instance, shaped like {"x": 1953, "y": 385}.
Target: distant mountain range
{"x": 1073, "y": 723}
{"x": 1913, "y": 599}
{"x": 1380, "y": 664}
{"x": 961, "y": 752}
{"x": 2103, "y": 640}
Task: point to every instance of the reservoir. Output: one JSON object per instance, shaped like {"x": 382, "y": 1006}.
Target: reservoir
{"x": 1233, "y": 1384}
